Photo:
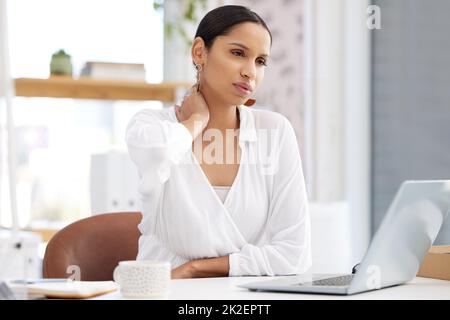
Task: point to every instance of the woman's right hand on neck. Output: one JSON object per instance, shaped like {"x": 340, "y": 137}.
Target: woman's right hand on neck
{"x": 194, "y": 112}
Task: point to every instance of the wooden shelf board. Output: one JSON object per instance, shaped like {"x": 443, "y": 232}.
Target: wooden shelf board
{"x": 87, "y": 88}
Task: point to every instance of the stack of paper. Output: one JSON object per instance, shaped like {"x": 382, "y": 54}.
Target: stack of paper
{"x": 72, "y": 289}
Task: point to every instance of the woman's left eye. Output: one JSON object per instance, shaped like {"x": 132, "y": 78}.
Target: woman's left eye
{"x": 262, "y": 62}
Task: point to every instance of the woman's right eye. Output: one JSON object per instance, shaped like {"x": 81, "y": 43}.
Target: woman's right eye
{"x": 237, "y": 53}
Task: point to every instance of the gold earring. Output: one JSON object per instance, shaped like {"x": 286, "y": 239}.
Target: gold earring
{"x": 199, "y": 68}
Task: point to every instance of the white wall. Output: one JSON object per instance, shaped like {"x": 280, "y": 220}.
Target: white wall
{"x": 331, "y": 238}
{"x": 338, "y": 105}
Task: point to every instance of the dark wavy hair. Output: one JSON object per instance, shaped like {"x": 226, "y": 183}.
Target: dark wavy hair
{"x": 221, "y": 20}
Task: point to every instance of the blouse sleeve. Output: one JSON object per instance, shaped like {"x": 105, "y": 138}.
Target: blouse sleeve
{"x": 155, "y": 145}
{"x": 288, "y": 249}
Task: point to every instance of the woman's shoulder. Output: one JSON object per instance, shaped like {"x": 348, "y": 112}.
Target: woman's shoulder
{"x": 156, "y": 114}
{"x": 268, "y": 119}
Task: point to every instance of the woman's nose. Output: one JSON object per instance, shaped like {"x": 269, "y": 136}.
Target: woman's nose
{"x": 249, "y": 72}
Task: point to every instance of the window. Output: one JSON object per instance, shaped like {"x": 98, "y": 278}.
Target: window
{"x": 56, "y": 137}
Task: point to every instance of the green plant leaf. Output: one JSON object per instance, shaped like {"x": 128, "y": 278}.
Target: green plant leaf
{"x": 157, "y": 5}
{"x": 189, "y": 16}
{"x": 169, "y": 28}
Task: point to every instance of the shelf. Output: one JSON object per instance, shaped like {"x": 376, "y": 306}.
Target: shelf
{"x": 86, "y": 88}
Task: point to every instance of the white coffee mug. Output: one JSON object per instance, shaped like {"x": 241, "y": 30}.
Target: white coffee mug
{"x": 143, "y": 278}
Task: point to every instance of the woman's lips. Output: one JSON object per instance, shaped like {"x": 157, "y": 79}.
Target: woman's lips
{"x": 242, "y": 90}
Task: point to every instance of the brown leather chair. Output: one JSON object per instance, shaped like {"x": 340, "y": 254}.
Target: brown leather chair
{"x": 95, "y": 244}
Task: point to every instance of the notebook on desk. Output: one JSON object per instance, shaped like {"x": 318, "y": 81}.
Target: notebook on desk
{"x": 72, "y": 289}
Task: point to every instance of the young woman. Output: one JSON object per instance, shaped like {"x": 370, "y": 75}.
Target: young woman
{"x": 222, "y": 184}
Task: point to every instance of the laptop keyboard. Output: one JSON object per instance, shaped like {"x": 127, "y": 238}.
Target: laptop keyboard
{"x": 336, "y": 281}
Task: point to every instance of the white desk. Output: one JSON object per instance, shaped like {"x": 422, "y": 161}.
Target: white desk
{"x": 225, "y": 289}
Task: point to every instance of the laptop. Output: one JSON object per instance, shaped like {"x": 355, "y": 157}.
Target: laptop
{"x": 395, "y": 254}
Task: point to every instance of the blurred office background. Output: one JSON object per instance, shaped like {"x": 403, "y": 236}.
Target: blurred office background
{"x": 369, "y": 104}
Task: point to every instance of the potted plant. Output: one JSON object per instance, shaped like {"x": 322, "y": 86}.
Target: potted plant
{"x": 61, "y": 64}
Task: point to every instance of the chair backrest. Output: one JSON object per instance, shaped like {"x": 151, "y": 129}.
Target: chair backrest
{"x": 93, "y": 246}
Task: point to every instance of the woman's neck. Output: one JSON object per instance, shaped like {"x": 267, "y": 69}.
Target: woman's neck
{"x": 221, "y": 116}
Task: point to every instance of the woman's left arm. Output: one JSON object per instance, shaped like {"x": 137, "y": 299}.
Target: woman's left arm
{"x": 203, "y": 268}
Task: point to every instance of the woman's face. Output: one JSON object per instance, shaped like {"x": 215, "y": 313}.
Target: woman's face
{"x": 235, "y": 64}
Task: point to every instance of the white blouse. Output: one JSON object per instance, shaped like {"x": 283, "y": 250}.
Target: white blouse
{"x": 263, "y": 223}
